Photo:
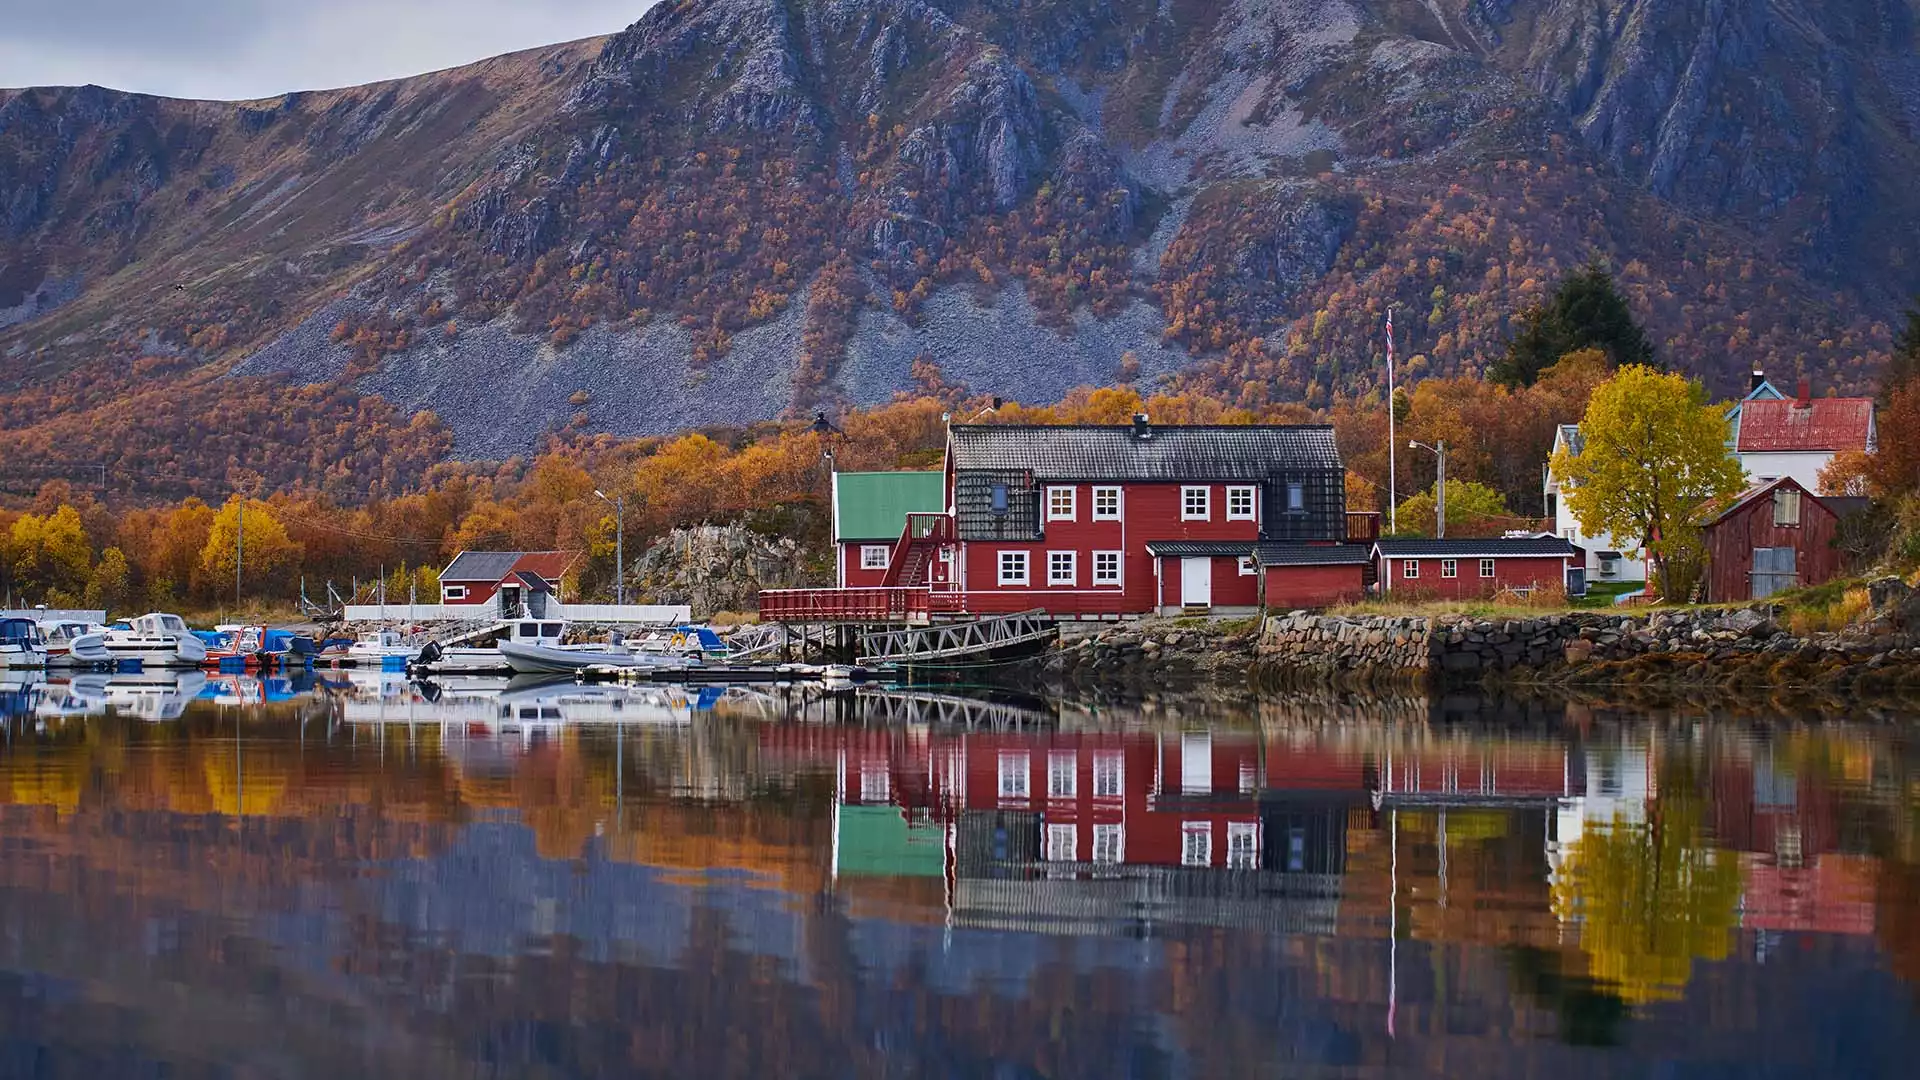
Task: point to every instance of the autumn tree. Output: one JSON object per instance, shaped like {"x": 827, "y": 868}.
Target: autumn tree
{"x": 1586, "y": 311}
{"x": 1472, "y": 510}
{"x": 49, "y": 555}
{"x": 110, "y": 586}
{"x": 1654, "y": 449}
{"x": 268, "y": 551}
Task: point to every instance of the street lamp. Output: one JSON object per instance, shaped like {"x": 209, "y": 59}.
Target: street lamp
{"x": 1439, "y": 485}
{"x": 619, "y": 505}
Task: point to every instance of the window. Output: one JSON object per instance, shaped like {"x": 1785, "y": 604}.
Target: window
{"x": 999, "y": 492}
{"x": 1786, "y": 506}
{"x": 1409, "y": 568}
{"x": 874, "y": 782}
{"x": 1486, "y": 567}
{"x": 1061, "y": 504}
{"x": 1296, "y": 849}
{"x": 1062, "y": 843}
{"x": 1240, "y": 504}
{"x": 1196, "y": 503}
{"x": 1196, "y": 844}
{"x": 874, "y": 556}
{"x": 1246, "y": 566}
{"x": 1243, "y": 845}
{"x": 1061, "y": 779}
{"x": 1569, "y": 534}
{"x": 1013, "y": 776}
{"x": 1109, "y": 774}
{"x": 1449, "y": 567}
{"x": 1296, "y": 498}
{"x": 1106, "y": 568}
{"x": 1109, "y": 843}
{"x": 1063, "y": 568}
{"x": 456, "y": 592}
{"x": 1106, "y": 504}
{"x": 1013, "y": 568}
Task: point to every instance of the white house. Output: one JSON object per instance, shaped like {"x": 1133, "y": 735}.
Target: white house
{"x": 1798, "y": 437}
{"x": 1608, "y": 558}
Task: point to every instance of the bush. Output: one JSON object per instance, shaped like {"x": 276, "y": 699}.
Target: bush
{"x": 1828, "y": 616}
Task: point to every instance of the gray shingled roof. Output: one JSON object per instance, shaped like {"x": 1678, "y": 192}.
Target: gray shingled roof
{"x": 1179, "y": 452}
{"x": 1198, "y": 549}
{"x": 488, "y": 566}
{"x": 1312, "y": 554}
{"x": 1483, "y": 548}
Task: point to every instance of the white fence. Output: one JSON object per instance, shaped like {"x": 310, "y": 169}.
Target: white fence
{"x": 56, "y": 615}
{"x": 648, "y": 614}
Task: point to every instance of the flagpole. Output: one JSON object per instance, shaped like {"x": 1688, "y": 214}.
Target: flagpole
{"x": 1393, "y": 440}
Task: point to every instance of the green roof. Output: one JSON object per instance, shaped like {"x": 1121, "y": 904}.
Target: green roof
{"x": 875, "y": 505}
{"x": 876, "y": 841}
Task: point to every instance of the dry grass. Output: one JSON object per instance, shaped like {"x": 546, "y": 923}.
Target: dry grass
{"x": 1850, "y": 608}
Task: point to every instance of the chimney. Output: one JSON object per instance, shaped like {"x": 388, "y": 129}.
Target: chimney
{"x": 1141, "y": 428}
{"x": 1759, "y": 380}
{"x": 1805, "y": 400}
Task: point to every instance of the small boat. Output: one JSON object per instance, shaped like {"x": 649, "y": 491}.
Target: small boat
{"x": 157, "y": 640}
{"x": 22, "y": 645}
{"x": 234, "y": 648}
{"x": 547, "y": 660}
{"x": 76, "y": 645}
{"x": 381, "y": 648}
{"x": 438, "y": 659}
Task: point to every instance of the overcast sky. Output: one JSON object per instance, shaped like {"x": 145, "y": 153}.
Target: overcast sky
{"x": 259, "y": 48}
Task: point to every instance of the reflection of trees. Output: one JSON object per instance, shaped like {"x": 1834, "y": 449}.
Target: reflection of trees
{"x": 1650, "y": 898}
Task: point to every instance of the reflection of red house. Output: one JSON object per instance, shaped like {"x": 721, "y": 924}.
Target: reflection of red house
{"x": 1835, "y": 895}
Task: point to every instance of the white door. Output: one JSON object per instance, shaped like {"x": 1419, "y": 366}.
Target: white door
{"x": 1196, "y": 582}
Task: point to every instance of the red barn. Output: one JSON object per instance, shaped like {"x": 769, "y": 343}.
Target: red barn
{"x": 1771, "y": 537}
{"x": 521, "y": 581}
{"x": 1469, "y": 569}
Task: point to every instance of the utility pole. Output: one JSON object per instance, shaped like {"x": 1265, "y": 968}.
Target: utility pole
{"x": 1393, "y": 469}
{"x": 239, "y": 550}
{"x": 1439, "y": 450}
{"x": 619, "y": 504}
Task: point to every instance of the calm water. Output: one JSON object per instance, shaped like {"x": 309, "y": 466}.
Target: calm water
{"x": 229, "y": 878}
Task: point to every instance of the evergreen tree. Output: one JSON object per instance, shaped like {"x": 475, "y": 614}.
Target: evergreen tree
{"x": 1586, "y": 311}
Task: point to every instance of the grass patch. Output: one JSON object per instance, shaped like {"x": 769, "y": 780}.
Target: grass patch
{"x": 1601, "y": 594}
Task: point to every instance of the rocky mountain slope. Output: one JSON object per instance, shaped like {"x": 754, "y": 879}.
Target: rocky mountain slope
{"x": 737, "y": 208}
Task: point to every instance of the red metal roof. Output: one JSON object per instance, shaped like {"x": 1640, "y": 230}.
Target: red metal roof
{"x": 1820, "y": 424}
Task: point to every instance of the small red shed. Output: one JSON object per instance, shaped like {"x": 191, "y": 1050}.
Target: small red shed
{"x": 520, "y": 581}
{"x": 1464, "y": 569}
{"x": 1769, "y": 538}
{"x": 1296, "y": 576}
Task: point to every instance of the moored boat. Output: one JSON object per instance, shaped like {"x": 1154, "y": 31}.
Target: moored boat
{"x": 22, "y": 645}
{"x": 381, "y": 648}
{"x": 547, "y": 660}
{"x": 76, "y": 645}
{"x": 469, "y": 659}
{"x": 157, "y": 640}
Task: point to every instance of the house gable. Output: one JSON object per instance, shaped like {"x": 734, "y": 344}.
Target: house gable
{"x": 875, "y": 505}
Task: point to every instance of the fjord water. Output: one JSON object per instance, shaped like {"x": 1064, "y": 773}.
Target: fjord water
{"x": 224, "y": 877}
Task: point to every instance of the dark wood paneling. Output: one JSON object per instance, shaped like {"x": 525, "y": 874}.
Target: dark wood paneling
{"x": 1731, "y": 540}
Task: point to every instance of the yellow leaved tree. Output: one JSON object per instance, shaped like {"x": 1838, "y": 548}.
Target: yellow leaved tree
{"x": 269, "y": 550}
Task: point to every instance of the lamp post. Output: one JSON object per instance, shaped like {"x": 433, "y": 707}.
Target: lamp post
{"x": 619, "y": 505}
{"x": 1439, "y": 485}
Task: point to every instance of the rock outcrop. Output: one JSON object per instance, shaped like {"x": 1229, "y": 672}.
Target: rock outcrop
{"x": 715, "y": 568}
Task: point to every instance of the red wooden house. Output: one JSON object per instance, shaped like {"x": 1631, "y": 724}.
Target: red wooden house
{"x": 1460, "y": 569}
{"x": 869, "y": 512}
{"x": 518, "y": 582}
{"x": 1772, "y": 537}
{"x": 1086, "y": 521}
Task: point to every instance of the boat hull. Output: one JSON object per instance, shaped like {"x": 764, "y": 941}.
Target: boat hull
{"x": 22, "y": 657}
{"x": 541, "y": 660}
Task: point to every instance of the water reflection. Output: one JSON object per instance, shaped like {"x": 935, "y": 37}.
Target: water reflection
{"x": 490, "y": 878}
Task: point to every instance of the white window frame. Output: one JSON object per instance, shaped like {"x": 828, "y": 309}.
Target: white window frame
{"x": 1449, "y": 568}
{"x": 1188, "y": 496}
{"x": 875, "y": 556}
{"x": 1252, "y": 497}
{"x": 1243, "y": 845}
{"x": 1063, "y": 774}
{"x": 1016, "y": 780}
{"x": 1487, "y": 569}
{"x": 1200, "y": 853}
{"x": 1104, "y": 493}
{"x": 1110, "y": 843}
{"x": 876, "y": 785}
{"x": 1063, "y": 842}
{"x": 1063, "y": 509}
{"x": 1786, "y": 497}
{"x": 1109, "y": 774}
{"x": 455, "y": 592}
{"x": 1119, "y": 568}
{"x": 1410, "y": 569}
{"x": 1247, "y": 569}
{"x": 1009, "y": 577}
{"x": 1056, "y": 575}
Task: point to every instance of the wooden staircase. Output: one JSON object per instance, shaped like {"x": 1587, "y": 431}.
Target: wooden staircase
{"x": 913, "y": 554}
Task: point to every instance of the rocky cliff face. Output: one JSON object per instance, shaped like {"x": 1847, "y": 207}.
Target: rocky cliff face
{"x": 797, "y": 198}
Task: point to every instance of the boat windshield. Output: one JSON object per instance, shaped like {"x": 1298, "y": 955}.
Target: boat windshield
{"x": 551, "y": 629}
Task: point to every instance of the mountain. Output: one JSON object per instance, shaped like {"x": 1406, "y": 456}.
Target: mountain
{"x": 736, "y": 209}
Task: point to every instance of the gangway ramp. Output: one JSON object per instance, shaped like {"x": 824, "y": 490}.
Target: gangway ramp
{"x": 971, "y": 641}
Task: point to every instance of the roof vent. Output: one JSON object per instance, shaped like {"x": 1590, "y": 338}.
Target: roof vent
{"x": 1759, "y": 380}
{"x": 1141, "y": 428}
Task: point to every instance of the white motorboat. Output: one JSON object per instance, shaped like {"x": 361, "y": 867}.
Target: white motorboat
{"x": 438, "y": 659}
{"x": 157, "y": 640}
{"x": 22, "y": 645}
{"x": 76, "y": 645}
{"x": 545, "y": 660}
{"x": 385, "y": 647}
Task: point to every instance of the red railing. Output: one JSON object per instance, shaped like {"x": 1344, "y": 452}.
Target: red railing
{"x": 928, "y": 529}
{"x": 845, "y": 605}
{"x": 1102, "y": 602}
{"x": 1363, "y": 527}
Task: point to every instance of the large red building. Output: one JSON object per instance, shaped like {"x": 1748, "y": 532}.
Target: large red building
{"x": 1104, "y": 521}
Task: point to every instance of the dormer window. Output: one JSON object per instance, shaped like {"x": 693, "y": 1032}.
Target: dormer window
{"x": 1000, "y": 499}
